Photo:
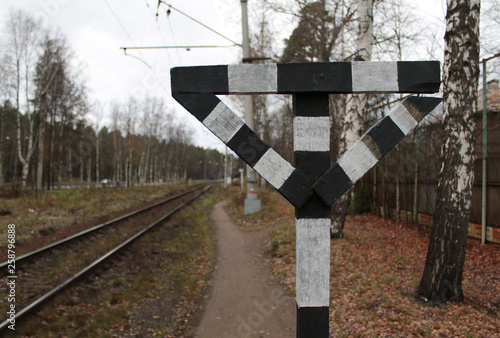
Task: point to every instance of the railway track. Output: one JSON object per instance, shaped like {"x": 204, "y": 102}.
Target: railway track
{"x": 47, "y": 271}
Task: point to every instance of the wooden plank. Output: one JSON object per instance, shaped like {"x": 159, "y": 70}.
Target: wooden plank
{"x": 313, "y": 262}
{"x": 247, "y": 145}
{"x": 326, "y": 77}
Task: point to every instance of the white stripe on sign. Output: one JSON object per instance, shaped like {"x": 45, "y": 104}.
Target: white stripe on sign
{"x": 357, "y": 161}
{"x": 403, "y": 119}
{"x": 374, "y": 77}
{"x": 260, "y": 78}
{"x": 223, "y": 122}
{"x": 311, "y": 133}
{"x": 313, "y": 262}
{"x": 273, "y": 168}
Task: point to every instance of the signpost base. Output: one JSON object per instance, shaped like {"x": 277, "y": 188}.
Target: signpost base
{"x": 252, "y": 204}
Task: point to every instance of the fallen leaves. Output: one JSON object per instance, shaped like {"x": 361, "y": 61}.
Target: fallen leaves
{"x": 375, "y": 270}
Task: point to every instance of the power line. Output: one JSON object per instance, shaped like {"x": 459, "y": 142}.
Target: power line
{"x": 197, "y": 21}
{"x": 172, "y": 33}
{"x": 158, "y": 27}
{"x": 150, "y": 70}
{"x": 119, "y": 22}
{"x": 128, "y": 35}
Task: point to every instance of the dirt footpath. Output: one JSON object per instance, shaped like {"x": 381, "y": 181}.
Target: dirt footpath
{"x": 245, "y": 300}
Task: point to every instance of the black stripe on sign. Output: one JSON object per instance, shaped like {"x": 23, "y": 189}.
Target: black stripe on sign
{"x": 312, "y": 164}
{"x": 200, "y": 79}
{"x": 333, "y": 184}
{"x": 335, "y": 77}
{"x": 199, "y": 105}
{"x": 314, "y": 208}
{"x": 248, "y": 146}
{"x": 311, "y": 105}
{"x": 314, "y": 322}
{"x": 421, "y": 106}
{"x": 296, "y": 189}
{"x": 386, "y": 134}
{"x": 419, "y": 76}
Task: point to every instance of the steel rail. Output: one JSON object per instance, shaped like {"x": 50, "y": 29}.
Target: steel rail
{"x": 97, "y": 227}
{"x": 60, "y": 287}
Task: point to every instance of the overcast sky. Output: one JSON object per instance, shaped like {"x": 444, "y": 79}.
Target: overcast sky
{"x": 96, "y": 29}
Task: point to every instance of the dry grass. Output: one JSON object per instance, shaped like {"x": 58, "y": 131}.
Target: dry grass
{"x": 42, "y": 214}
{"x": 155, "y": 288}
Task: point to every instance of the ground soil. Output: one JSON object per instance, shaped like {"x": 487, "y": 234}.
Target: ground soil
{"x": 245, "y": 299}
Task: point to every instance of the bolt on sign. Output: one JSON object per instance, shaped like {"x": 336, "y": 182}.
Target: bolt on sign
{"x": 312, "y": 184}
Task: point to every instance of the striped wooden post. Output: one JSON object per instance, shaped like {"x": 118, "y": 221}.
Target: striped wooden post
{"x": 312, "y": 185}
{"x": 311, "y": 143}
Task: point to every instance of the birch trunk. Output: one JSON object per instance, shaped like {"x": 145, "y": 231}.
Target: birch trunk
{"x": 442, "y": 278}
{"x": 356, "y": 105}
{"x": 25, "y": 160}
{"x": 142, "y": 166}
{"x": 41, "y": 146}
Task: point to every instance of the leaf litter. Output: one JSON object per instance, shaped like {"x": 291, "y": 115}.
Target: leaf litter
{"x": 375, "y": 271}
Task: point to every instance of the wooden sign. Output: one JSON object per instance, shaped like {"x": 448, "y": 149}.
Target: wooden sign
{"x": 312, "y": 185}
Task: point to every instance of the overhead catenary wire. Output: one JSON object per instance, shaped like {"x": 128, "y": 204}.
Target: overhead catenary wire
{"x": 126, "y": 33}
{"x": 175, "y": 46}
{"x": 150, "y": 69}
{"x": 197, "y": 21}
{"x": 158, "y": 27}
{"x": 172, "y": 33}
{"x": 119, "y": 22}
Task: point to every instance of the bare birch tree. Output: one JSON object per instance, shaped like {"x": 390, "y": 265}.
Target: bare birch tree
{"x": 442, "y": 278}
{"x": 23, "y": 39}
{"x": 356, "y": 105}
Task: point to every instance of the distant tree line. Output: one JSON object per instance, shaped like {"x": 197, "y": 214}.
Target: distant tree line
{"x": 51, "y": 134}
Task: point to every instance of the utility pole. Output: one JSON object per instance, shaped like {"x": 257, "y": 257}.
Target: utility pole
{"x": 252, "y": 202}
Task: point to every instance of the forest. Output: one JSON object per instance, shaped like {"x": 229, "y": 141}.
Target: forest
{"x": 51, "y": 134}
